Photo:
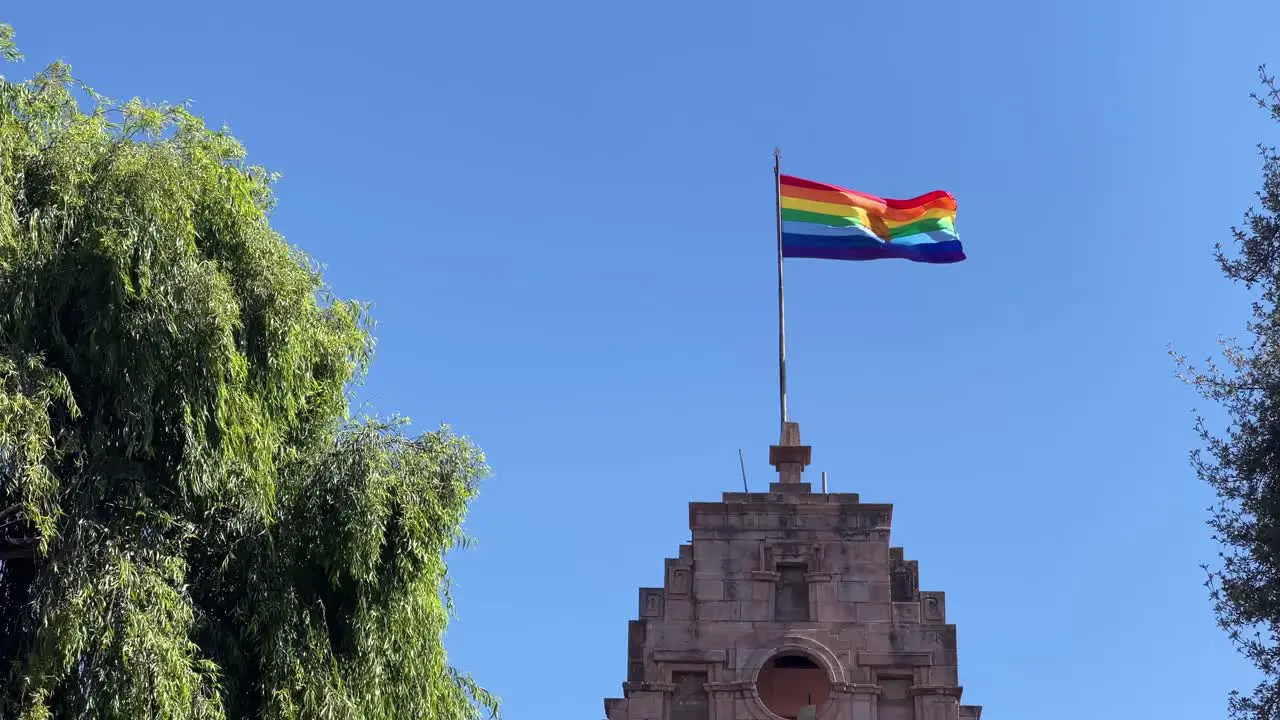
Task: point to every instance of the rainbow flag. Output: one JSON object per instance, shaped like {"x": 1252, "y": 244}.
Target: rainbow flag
{"x": 825, "y": 221}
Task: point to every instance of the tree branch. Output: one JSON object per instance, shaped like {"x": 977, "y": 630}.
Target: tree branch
{"x": 18, "y": 549}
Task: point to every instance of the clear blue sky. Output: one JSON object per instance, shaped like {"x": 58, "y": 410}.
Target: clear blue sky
{"x": 563, "y": 214}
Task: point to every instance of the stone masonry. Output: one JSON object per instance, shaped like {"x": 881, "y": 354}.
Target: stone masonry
{"x": 790, "y": 604}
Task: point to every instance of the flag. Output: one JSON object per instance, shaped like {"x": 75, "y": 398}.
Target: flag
{"x": 829, "y": 222}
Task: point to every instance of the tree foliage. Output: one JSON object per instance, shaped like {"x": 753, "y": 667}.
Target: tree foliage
{"x": 1241, "y": 462}
{"x": 192, "y": 525}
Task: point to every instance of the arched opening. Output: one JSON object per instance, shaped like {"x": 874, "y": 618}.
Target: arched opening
{"x": 789, "y": 682}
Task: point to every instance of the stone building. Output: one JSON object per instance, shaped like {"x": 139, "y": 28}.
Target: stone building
{"x": 790, "y": 604}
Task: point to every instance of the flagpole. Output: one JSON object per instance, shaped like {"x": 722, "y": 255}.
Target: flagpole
{"x": 782, "y": 328}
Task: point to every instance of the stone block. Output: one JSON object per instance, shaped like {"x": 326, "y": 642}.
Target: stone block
{"x": 645, "y": 705}
{"x": 942, "y": 675}
{"x": 834, "y": 612}
{"x": 691, "y": 656}
{"x": 823, "y": 606}
{"x": 793, "y": 551}
{"x": 911, "y": 638}
{"x": 763, "y": 589}
{"x": 933, "y": 707}
{"x": 709, "y": 556}
{"x": 679, "y": 609}
{"x": 651, "y": 600}
{"x": 857, "y": 674}
{"x": 615, "y": 709}
{"x": 870, "y": 551}
{"x": 672, "y": 635}
{"x": 722, "y": 704}
{"x": 866, "y": 572}
{"x": 756, "y": 611}
{"x": 863, "y": 518}
{"x": 906, "y": 612}
{"x": 862, "y": 591}
{"x": 724, "y": 634}
{"x": 821, "y": 582}
{"x": 878, "y": 638}
{"x": 881, "y": 592}
{"x": 743, "y": 557}
{"x": 847, "y": 555}
{"x": 708, "y": 590}
{"x": 718, "y": 611}
{"x": 947, "y": 637}
{"x": 851, "y": 638}
{"x": 895, "y": 659}
{"x": 745, "y": 707}
{"x": 842, "y": 498}
{"x": 854, "y": 591}
{"x": 873, "y": 612}
{"x": 737, "y": 590}
{"x": 679, "y": 580}
{"x": 637, "y": 633}
{"x": 706, "y": 515}
{"x": 933, "y": 606}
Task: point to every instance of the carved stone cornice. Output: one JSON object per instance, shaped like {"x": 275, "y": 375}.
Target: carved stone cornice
{"x": 744, "y": 687}
{"x": 646, "y": 686}
{"x": 938, "y": 690}
{"x": 881, "y": 659}
{"x": 848, "y": 688}
{"x": 864, "y": 689}
{"x": 690, "y": 656}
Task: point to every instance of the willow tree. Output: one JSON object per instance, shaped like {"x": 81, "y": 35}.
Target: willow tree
{"x": 192, "y": 525}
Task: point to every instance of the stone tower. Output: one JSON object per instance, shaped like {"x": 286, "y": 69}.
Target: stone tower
{"x": 790, "y": 604}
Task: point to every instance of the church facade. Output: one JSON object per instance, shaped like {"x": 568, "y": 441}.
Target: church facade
{"x": 790, "y": 605}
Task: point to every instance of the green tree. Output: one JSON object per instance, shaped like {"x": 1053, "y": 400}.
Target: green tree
{"x": 1241, "y": 461}
{"x": 192, "y": 525}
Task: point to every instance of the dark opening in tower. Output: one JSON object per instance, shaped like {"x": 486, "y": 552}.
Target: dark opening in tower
{"x": 791, "y": 603}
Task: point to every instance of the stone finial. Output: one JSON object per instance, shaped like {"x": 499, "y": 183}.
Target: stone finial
{"x": 790, "y": 434}
{"x": 789, "y": 456}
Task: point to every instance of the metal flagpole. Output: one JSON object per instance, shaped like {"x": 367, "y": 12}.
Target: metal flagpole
{"x": 782, "y": 328}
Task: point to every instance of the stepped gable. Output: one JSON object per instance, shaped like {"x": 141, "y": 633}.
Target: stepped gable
{"x": 790, "y": 604}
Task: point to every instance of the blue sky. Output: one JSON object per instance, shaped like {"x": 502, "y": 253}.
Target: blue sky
{"x": 563, "y": 214}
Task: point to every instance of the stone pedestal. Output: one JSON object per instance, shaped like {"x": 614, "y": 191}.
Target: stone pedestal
{"x": 790, "y": 458}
